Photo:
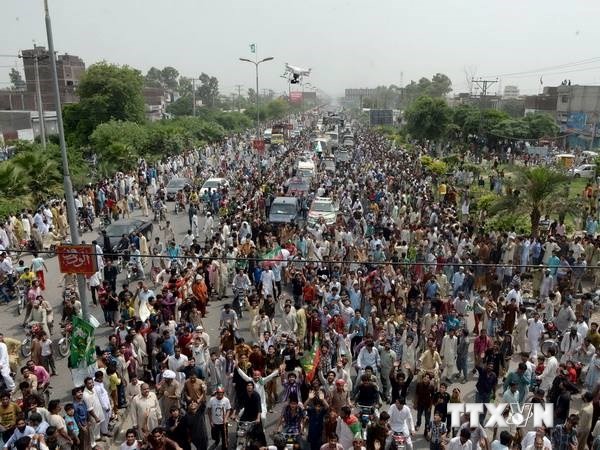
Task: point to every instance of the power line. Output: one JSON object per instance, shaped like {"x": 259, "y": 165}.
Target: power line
{"x": 559, "y": 66}
{"x": 259, "y": 259}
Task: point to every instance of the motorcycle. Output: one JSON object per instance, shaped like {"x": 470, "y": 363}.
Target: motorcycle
{"x": 399, "y": 440}
{"x": 239, "y": 295}
{"x": 291, "y": 438}
{"x": 21, "y": 299}
{"x": 242, "y": 438}
{"x": 64, "y": 343}
{"x": 133, "y": 271}
{"x": 32, "y": 330}
{"x": 365, "y": 415}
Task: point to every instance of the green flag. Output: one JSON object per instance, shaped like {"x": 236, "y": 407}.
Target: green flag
{"x": 83, "y": 347}
{"x": 252, "y": 48}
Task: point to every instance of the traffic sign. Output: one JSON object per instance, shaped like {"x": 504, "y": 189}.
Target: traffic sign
{"x": 77, "y": 259}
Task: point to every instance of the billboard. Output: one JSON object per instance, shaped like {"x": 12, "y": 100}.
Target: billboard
{"x": 296, "y": 97}
{"x": 381, "y": 117}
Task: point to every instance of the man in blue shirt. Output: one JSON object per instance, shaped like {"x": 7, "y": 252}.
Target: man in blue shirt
{"x": 357, "y": 325}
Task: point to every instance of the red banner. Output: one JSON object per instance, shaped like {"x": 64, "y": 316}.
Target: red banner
{"x": 77, "y": 259}
{"x": 295, "y": 97}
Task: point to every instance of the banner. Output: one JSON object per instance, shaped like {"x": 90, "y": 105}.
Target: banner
{"x": 295, "y": 97}
{"x": 77, "y": 259}
{"x": 83, "y": 346}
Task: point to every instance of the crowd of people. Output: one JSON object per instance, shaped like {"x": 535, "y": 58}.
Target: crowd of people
{"x": 359, "y": 331}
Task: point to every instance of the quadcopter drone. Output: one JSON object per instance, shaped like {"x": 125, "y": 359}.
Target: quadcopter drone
{"x": 295, "y": 74}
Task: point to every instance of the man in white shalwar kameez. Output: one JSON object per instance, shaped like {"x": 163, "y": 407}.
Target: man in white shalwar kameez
{"x": 448, "y": 354}
{"x": 145, "y": 411}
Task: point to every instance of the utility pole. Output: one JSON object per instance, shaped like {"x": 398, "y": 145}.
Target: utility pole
{"x": 68, "y": 186}
{"x": 484, "y": 85}
{"x": 239, "y": 88}
{"x": 38, "y": 91}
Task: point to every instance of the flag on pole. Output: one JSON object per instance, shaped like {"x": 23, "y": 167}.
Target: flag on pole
{"x": 541, "y": 80}
{"x": 252, "y": 48}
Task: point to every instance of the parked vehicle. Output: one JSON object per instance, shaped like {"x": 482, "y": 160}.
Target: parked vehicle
{"x": 177, "y": 184}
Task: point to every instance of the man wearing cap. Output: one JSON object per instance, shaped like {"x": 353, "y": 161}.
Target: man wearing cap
{"x": 168, "y": 392}
{"x": 219, "y": 410}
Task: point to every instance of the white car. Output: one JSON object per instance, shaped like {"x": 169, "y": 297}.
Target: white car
{"x": 585, "y": 171}
{"x": 212, "y": 184}
{"x": 325, "y": 208}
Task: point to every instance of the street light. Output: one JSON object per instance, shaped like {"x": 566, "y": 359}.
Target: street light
{"x": 68, "y": 186}
{"x": 256, "y": 63}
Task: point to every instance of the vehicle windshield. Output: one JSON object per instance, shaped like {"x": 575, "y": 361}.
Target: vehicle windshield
{"x": 179, "y": 183}
{"x": 322, "y": 207}
{"x": 119, "y": 229}
{"x": 298, "y": 187}
{"x": 283, "y": 208}
{"x": 211, "y": 184}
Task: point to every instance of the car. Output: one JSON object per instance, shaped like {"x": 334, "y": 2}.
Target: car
{"x": 212, "y": 184}
{"x": 325, "y": 208}
{"x": 177, "y": 184}
{"x": 118, "y": 228}
{"x": 297, "y": 187}
{"x": 285, "y": 210}
{"x": 342, "y": 155}
{"x": 584, "y": 171}
{"x": 267, "y": 136}
{"x": 305, "y": 169}
{"x": 328, "y": 164}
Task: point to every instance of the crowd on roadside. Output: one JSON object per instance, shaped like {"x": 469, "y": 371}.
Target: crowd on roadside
{"x": 399, "y": 302}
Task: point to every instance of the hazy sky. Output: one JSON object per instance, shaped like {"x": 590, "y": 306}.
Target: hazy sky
{"x": 352, "y": 43}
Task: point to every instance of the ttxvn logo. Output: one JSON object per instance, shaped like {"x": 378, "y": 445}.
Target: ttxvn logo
{"x": 503, "y": 415}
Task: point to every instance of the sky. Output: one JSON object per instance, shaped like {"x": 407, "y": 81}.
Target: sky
{"x": 346, "y": 43}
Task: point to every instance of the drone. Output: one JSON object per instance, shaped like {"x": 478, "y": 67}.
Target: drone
{"x": 295, "y": 74}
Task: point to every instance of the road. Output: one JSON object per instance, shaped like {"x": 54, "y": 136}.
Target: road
{"x": 10, "y": 324}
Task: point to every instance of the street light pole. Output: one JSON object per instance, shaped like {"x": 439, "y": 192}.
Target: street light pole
{"x": 68, "y": 186}
{"x": 256, "y": 64}
{"x": 38, "y": 92}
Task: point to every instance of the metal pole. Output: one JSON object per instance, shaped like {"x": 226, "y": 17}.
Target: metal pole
{"x": 194, "y": 97}
{"x": 38, "y": 92}
{"x": 68, "y": 186}
{"x": 258, "y": 125}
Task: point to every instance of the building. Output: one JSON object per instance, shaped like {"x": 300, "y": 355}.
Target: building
{"x": 356, "y": 96}
{"x": 69, "y": 68}
{"x": 544, "y": 102}
{"x": 25, "y": 125}
{"x": 511, "y": 92}
{"x": 578, "y": 114}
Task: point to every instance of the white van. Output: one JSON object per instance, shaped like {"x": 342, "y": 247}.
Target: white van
{"x": 306, "y": 169}
{"x": 267, "y": 135}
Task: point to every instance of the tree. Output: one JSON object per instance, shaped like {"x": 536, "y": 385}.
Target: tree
{"x": 513, "y": 107}
{"x": 40, "y": 174}
{"x": 107, "y": 92}
{"x": 182, "y": 106}
{"x": 208, "y": 90}
{"x": 541, "y": 125}
{"x": 427, "y": 118}
{"x": 153, "y": 78}
{"x": 440, "y": 85}
{"x": 131, "y": 134}
{"x": 534, "y": 189}
{"x": 169, "y": 76}
{"x": 16, "y": 80}
{"x": 185, "y": 86}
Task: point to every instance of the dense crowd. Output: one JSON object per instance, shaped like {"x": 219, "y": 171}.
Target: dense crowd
{"x": 359, "y": 332}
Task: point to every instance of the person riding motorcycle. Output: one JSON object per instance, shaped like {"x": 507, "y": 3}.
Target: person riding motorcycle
{"x": 367, "y": 392}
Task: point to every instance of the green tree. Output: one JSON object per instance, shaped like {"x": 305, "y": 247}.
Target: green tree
{"x": 181, "y": 107}
{"x": 533, "y": 190}
{"x": 107, "y": 92}
{"x": 185, "y": 86}
{"x": 208, "y": 90}
{"x": 541, "y": 125}
{"x": 428, "y": 118}
{"x": 169, "y": 76}
{"x": 133, "y": 135}
{"x": 16, "y": 80}
{"x": 40, "y": 174}
{"x": 440, "y": 85}
{"x": 153, "y": 78}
